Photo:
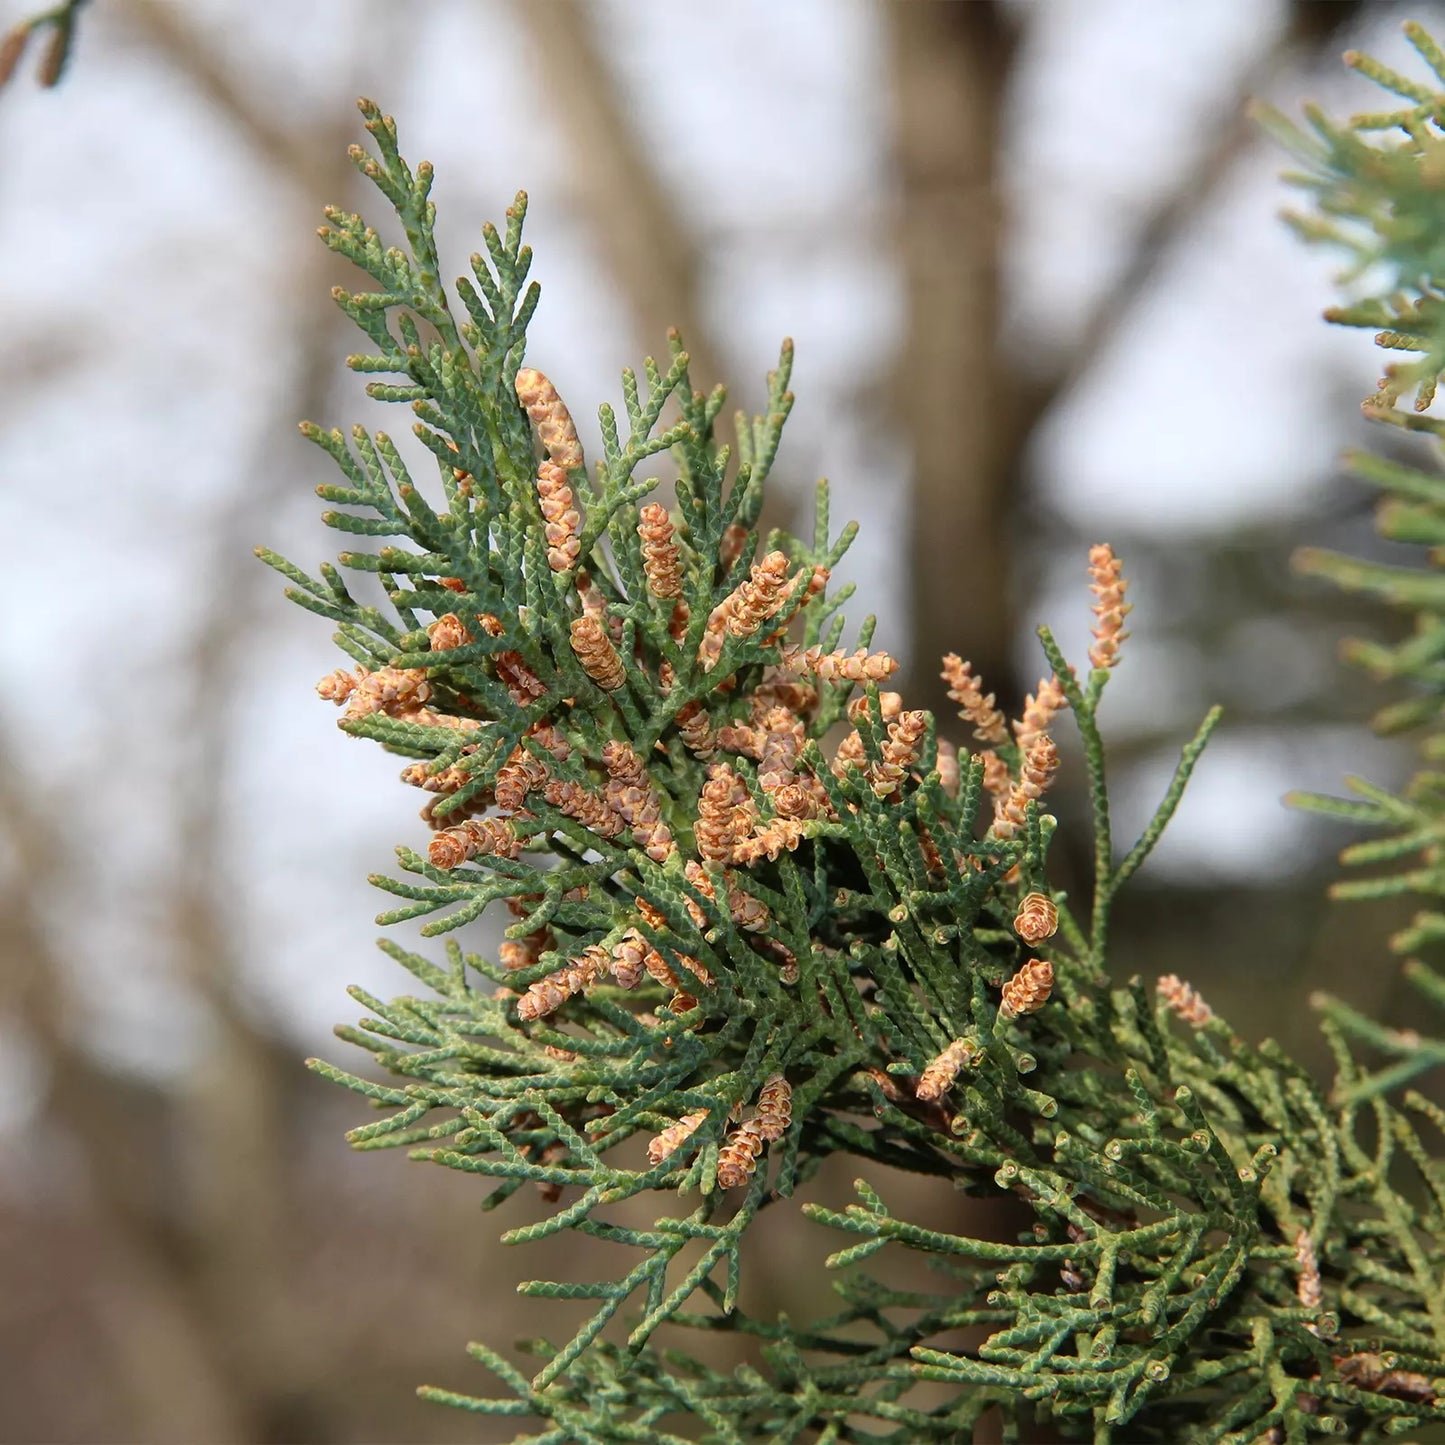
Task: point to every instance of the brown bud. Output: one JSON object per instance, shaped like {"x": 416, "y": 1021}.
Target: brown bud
{"x": 1028, "y": 990}
{"x": 587, "y": 808}
{"x": 674, "y": 1136}
{"x": 519, "y": 775}
{"x": 857, "y": 666}
{"x": 629, "y": 959}
{"x": 759, "y": 597}
{"x": 717, "y": 828}
{"x": 730, "y": 546}
{"x": 1040, "y": 763}
{"x": 1040, "y": 709}
{"x": 596, "y": 653}
{"x": 11, "y": 49}
{"x": 1108, "y": 586}
{"x": 560, "y": 516}
{"x": 451, "y": 847}
{"x": 737, "y": 1160}
{"x": 660, "y": 559}
{"x": 1037, "y": 918}
{"x": 548, "y": 994}
{"x": 550, "y": 416}
{"x": 948, "y": 771}
{"x": 936, "y": 1080}
{"x": 775, "y": 1108}
{"x": 1184, "y": 999}
{"x": 339, "y": 685}
{"x": 899, "y": 753}
{"x": 974, "y": 705}
{"x": 632, "y": 797}
{"x": 696, "y": 730}
{"x": 447, "y": 632}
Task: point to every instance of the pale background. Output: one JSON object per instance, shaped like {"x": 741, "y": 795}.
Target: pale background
{"x": 1031, "y": 257}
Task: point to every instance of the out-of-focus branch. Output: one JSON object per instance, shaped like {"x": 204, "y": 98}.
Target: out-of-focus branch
{"x": 649, "y": 250}
{"x": 1176, "y": 211}
{"x": 651, "y": 254}
{"x": 175, "y": 1386}
{"x": 174, "y": 38}
{"x": 238, "y": 1199}
{"x": 217, "y": 1301}
{"x": 60, "y": 22}
{"x": 970, "y": 416}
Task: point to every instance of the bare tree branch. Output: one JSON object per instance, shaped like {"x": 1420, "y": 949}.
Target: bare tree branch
{"x": 1177, "y": 210}
{"x": 648, "y": 247}
{"x": 177, "y": 1390}
{"x": 972, "y": 419}
{"x": 173, "y": 37}
{"x": 238, "y": 1204}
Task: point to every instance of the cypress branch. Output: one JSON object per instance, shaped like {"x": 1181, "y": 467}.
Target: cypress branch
{"x": 736, "y": 947}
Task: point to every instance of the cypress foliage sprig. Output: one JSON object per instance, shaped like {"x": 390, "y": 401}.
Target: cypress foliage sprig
{"x": 736, "y": 947}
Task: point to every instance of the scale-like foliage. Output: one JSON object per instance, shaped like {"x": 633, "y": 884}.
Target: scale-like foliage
{"x": 741, "y": 946}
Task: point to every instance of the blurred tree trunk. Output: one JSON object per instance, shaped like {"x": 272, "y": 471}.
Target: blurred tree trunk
{"x": 951, "y": 66}
{"x": 635, "y": 219}
{"x": 969, "y": 412}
